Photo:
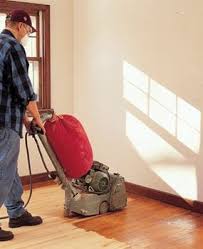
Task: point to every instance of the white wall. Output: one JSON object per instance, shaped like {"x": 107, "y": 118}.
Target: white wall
{"x": 141, "y": 41}
{"x": 61, "y": 70}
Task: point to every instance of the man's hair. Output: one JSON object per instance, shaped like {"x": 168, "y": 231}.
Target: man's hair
{"x": 9, "y": 23}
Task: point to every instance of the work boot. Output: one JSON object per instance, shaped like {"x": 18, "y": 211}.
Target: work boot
{"x": 25, "y": 220}
{"x": 5, "y": 235}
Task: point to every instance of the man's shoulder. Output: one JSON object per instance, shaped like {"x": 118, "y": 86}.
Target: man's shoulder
{"x": 10, "y": 43}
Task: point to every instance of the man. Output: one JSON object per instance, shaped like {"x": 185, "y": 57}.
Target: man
{"x": 16, "y": 96}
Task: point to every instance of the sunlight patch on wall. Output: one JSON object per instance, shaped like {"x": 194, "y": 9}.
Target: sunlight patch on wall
{"x": 181, "y": 178}
{"x": 161, "y": 105}
{"x": 162, "y": 158}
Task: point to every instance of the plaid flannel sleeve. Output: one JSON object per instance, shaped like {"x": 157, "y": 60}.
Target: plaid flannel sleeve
{"x": 21, "y": 83}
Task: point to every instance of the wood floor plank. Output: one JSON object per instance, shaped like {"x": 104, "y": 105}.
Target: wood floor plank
{"x": 144, "y": 224}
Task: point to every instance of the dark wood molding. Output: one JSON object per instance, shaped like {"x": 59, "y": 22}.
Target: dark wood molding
{"x": 31, "y": 7}
{"x": 175, "y": 200}
{"x": 46, "y": 87}
{"x": 37, "y": 178}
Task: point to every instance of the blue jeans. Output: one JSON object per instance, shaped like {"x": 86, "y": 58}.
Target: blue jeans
{"x": 11, "y": 189}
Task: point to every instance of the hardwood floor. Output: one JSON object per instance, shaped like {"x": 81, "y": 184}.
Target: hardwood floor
{"x": 145, "y": 223}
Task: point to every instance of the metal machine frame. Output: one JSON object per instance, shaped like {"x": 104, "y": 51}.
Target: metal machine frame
{"x": 86, "y": 202}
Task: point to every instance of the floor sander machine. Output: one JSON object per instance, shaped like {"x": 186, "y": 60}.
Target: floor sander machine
{"x": 96, "y": 192}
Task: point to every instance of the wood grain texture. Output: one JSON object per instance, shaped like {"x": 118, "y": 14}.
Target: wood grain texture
{"x": 175, "y": 200}
{"x": 145, "y": 223}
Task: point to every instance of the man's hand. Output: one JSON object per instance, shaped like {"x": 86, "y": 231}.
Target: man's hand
{"x": 33, "y": 109}
{"x": 27, "y": 125}
{"x": 26, "y": 122}
{"x": 38, "y": 122}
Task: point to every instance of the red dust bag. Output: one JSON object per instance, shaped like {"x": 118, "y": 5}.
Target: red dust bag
{"x": 70, "y": 144}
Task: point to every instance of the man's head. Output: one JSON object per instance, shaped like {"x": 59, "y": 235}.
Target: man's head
{"x": 19, "y": 22}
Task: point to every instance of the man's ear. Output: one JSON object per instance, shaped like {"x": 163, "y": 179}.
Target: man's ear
{"x": 19, "y": 26}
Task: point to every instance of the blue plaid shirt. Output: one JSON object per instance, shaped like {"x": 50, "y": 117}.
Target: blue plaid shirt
{"x": 15, "y": 86}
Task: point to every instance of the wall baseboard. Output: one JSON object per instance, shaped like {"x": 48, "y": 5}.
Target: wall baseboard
{"x": 178, "y": 201}
{"x": 194, "y": 206}
{"x": 37, "y": 178}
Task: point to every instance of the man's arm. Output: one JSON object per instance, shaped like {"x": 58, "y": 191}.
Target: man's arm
{"x": 33, "y": 109}
{"x": 22, "y": 85}
{"x": 26, "y": 121}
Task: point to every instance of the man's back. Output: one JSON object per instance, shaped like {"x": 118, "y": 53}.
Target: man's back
{"x": 15, "y": 86}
